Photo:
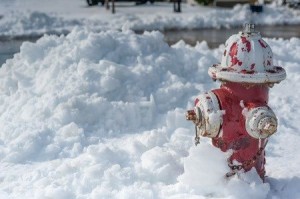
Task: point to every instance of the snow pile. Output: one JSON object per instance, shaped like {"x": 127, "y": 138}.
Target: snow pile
{"x": 35, "y": 18}
{"x": 204, "y": 174}
{"x": 101, "y": 115}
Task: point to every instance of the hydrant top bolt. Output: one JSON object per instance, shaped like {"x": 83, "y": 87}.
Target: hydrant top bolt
{"x": 249, "y": 28}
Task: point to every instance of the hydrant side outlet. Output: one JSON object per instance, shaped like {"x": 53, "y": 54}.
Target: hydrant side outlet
{"x": 207, "y": 105}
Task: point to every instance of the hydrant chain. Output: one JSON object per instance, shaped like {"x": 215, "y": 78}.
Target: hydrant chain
{"x": 247, "y": 163}
{"x": 197, "y": 137}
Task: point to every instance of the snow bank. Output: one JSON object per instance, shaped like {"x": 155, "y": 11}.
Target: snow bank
{"x": 34, "y": 17}
{"x": 101, "y": 115}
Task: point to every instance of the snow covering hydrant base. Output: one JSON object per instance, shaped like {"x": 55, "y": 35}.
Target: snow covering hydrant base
{"x": 237, "y": 116}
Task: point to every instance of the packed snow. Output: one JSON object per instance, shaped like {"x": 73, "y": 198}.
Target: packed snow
{"x": 101, "y": 115}
{"x": 32, "y": 17}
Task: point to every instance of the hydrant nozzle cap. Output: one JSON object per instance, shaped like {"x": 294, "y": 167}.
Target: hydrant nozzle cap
{"x": 261, "y": 122}
{"x": 268, "y": 125}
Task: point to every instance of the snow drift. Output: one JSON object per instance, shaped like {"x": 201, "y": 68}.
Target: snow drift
{"x": 101, "y": 115}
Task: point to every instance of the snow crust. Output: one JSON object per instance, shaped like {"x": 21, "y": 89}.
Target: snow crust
{"x": 32, "y": 17}
{"x": 101, "y": 115}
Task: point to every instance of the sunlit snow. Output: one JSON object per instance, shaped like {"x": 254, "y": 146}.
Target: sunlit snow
{"x": 101, "y": 115}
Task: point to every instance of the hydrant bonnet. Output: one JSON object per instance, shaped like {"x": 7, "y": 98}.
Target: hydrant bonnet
{"x": 247, "y": 58}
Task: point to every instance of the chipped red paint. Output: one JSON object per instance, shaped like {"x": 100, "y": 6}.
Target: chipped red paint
{"x": 236, "y": 61}
{"x": 247, "y": 43}
{"x": 252, "y": 66}
{"x": 233, "y": 53}
{"x": 262, "y": 43}
{"x": 233, "y": 50}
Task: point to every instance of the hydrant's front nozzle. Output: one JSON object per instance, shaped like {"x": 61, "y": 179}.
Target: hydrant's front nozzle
{"x": 194, "y": 116}
{"x": 191, "y": 115}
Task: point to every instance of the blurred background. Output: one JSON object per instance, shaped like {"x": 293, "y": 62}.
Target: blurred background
{"x": 192, "y": 21}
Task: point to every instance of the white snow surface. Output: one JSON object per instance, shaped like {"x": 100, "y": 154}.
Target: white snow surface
{"x": 101, "y": 115}
{"x": 36, "y": 17}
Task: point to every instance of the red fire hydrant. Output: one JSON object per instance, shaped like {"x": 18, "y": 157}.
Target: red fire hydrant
{"x": 237, "y": 116}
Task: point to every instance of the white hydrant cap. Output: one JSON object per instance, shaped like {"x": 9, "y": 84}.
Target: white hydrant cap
{"x": 247, "y": 58}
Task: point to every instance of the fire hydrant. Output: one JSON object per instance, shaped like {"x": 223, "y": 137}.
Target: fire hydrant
{"x": 237, "y": 116}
